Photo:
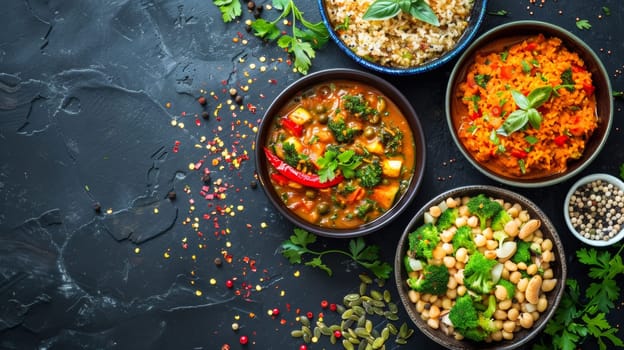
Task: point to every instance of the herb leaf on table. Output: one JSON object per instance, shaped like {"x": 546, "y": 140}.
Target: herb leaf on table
{"x": 583, "y": 316}
{"x": 304, "y": 39}
{"x": 365, "y": 255}
{"x": 230, "y": 9}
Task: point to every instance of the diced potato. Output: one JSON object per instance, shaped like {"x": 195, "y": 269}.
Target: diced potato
{"x": 300, "y": 116}
{"x": 375, "y": 147}
{"x": 292, "y": 140}
{"x": 384, "y": 195}
{"x": 392, "y": 167}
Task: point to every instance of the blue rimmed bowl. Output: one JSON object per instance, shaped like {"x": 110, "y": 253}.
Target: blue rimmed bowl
{"x": 474, "y": 20}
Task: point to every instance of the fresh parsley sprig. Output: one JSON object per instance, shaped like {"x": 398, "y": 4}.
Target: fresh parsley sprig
{"x": 305, "y": 38}
{"x": 333, "y": 160}
{"x": 384, "y": 9}
{"x": 579, "y": 316}
{"x": 365, "y": 255}
{"x": 230, "y": 9}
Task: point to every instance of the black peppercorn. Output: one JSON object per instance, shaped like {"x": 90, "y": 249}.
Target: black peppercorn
{"x": 97, "y": 207}
{"x": 171, "y": 195}
{"x": 205, "y": 115}
{"x": 218, "y": 262}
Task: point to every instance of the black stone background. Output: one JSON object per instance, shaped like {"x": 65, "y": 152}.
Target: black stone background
{"x": 84, "y": 87}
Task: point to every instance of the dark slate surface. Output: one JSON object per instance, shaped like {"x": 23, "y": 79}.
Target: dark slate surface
{"x": 98, "y": 109}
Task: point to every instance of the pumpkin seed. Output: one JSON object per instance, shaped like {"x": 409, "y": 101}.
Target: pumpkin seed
{"x": 377, "y": 343}
{"x": 361, "y": 321}
{"x": 365, "y": 278}
{"x": 332, "y": 339}
{"x": 400, "y": 341}
{"x": 304, "y": 321}
{"x": 296, "y": 333}
{"x": 340, "y": 309}
{"x": 347, "y": 314}
{"x": 368, "y": 326}
{"x": 385, "y": 333}
{"x": 391, "y": 316}
{"x": 306, "y": 331}
{"x": 317, "y": 332}
{"x": 377, "y": 303}
{"x": 351, "y": 297}
{"x": 393, "y": 307}
{"x": 358, "y": 310}
{"x": 307, "y": 338}
{"x": 346, "y": 324}
{"x": 375, "y": 294}
{"x": 347, "y": 345}
{"x": 387, "y": 296}
{"x": 325, "y": 330}
{"x": 363, "y": 288}
{"x": 362, "y": 346}
{"x": 362, "y": 332}
{"x": 334, "y": 328}
{"x": 393, "y": 329}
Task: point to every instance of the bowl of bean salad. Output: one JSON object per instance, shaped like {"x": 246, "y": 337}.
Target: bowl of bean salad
{"x": 594, "y": 209}
{"x": 480, "y": 267}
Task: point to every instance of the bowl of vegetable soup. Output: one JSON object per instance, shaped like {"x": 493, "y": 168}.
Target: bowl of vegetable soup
{"x": 480, "y": 267}
{"x": 340, "y": 153}
{"x": 529, "y": 104}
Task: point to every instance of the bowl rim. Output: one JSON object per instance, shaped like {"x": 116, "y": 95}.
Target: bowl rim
{"x": 463, "y": 42}
{"x": 580, "y": 182}
{"x": 562, "y": 34}
{"x": 387, "y": 89}
{"x": 493, "y": 190}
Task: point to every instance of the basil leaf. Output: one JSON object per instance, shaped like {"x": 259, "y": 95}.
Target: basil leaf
{"x": 405, "y": 5}
{"x": 535, "y": 119}
{"x": 531, "y": 139}
{"x": 422, "y": 11}
{"x": 520, "y": 99}
{"x": 538, "y": 96}
{"x": 515, "y": 121}
{"x": 382, "y": 9}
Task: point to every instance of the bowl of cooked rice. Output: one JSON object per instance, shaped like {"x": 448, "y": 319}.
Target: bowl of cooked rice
{"x": 384, "y": 37}
{"x": 480, "y": 267}
{"x": 529, "y": 104}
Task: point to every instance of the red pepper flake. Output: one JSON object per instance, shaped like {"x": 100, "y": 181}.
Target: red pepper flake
{"x": 332, "y": 307}
{"x": 251, "y": 108}
{"x": 202, "y": 100}
{"x": 275, "y": 312}
{"x": 197, "y": 122}
{"x": 309, "y": 315}
{"x": 273, "y": 81}
{"x": 229, "y": 283}
{"x": 303, "y": 347}
{"x": 324, "y": 304}
{"x": 337, "y": 334}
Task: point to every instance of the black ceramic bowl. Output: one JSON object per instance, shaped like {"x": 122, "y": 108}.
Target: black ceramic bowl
{"x": 474, "y": 21}
{"x": 496, "y": 40}
{"x": 558, "y": 267}
{"x": 401, "y": 201}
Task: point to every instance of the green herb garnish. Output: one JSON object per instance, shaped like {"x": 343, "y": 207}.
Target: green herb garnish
{"x": 365, "y": 255}
{"x": 566, "y": 78}
{"x": 583, "y": 24}
{"x": 333, "y": 160}
{"x": 384, "y": 9}
{"x": 584, "y": 316}
{"x": 230, "y": 9}
{"x": 305, "y": 38}
{"x": 498, "y": 13}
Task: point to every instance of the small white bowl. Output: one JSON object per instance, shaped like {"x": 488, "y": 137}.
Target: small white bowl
{"x": 583, "y": 181}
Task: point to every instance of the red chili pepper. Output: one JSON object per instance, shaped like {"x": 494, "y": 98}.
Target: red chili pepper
{"x": 518, "y": 153}
{"x": 561, "y": 140}
{"x": 279, "y": 179}
{"x": 475, "y": 115}
{"x": 293, "y": 127}
{"x": 309, "y": 180}
{"x": 588, "y": 88}
{"x": 577, "y": 69}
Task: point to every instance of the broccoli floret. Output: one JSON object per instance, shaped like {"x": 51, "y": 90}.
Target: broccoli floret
{"x": 447, "y": 218}
{"x": 484, "y": 208}
{"x": 478, "y": 273}
{"x": 523, "y": 252}
{"x": 412, "y": 264}
{"x": 471, "y": 323}
{"x": 463, "y": 238}
{"x": 369, "y": 174}
{"x": 510, "y": 287}
{"x": 499, "y": 220}
{"x": 341, "y": 132}
{"x": 433, "y": 280}
{"x": 423, "y": 241}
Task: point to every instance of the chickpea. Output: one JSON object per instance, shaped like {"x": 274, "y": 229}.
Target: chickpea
{"x": 433, "y": 298}
{"x": 497, "y": 336}
{"x": 448, "y": 249}
{"x": 532, "y": 269}
{"x": 523, "y": 216}
{"x": 510, "y": 265}
{"x": 447, "y": 303}
{"x": 542, "y": 304}
{"x": 488, "y": 233}
{"x": 549, "y": 284}
{"x": 452, "y": 283}
{"x": 548, "y": 256}
{"x": 512, "y": 228}
{"x": 522, "y": 266}
{"x": 433, "y": 323}
{"x": 451, "y": 293}
{"x": 420, "y": 306}
{"x": 451, "y": 202}
{"x": 461, "y": 290}
{"x": 449, "y": 261}
{"x": 548, "y": 274}
{"x": 435, "y": 211}
{"x": 513, "y": 211}
{"x": 520, "y": 296}
{"x": 522, "y": 284}
{"x": 509, "y": 326}
{"x": 460, "y": 221}
{"x": 413, "y": 296}
{"x": 446, "y": 236}
{"x": 513, "y": 314}
{"x": 480, "y": 240}
{"x": 434, "y": 311}
{"x": 508, "y": 335}
{"x": 515, "y": 277}
{"x": 473, "y": 221}
{"x": 547, "y": 244}
{"x": 505, "y": 304}
{"x": 500, "y": 315}
{"x": 461, "y": 255}
{"x": 505, "y": 274}
{"x": 526, "y": 320}
{"x": 491, "y": 244}
{"x": 463, "y": 211}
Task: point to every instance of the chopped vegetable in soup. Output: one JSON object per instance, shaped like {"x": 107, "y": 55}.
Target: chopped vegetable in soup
{"x": 340, "y": 154}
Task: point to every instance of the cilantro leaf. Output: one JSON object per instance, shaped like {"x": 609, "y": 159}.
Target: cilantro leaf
{"x": 583, "y": 24}
{"x": 302, "y": 237}
{"x": 230, "y": 9}
{"x": 317, "y": 262}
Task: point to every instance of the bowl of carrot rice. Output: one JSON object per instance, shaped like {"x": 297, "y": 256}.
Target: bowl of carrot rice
{"x": 529, "y": 104}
